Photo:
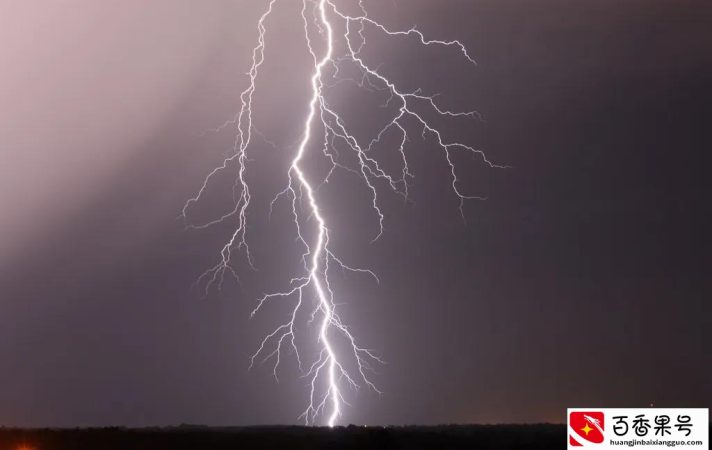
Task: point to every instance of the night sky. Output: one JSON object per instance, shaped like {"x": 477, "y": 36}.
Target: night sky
{"x": 582, "y": 280}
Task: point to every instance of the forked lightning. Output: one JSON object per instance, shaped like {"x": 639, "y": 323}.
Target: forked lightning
{"x": 323, "y": 128}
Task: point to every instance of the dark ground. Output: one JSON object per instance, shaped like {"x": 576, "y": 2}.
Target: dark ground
{"x": 446, "y": 437}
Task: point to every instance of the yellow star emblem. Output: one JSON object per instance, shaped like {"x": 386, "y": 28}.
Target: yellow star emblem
{"x": 586, "y": 429}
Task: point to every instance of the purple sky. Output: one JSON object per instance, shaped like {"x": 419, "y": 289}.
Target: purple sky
{"x": 582, "y": 280}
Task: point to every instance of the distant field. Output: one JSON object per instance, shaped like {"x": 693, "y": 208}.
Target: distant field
{"x": 449, "y": 437}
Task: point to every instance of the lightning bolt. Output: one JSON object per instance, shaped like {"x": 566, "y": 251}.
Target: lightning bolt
{"x": 328, "y": 375}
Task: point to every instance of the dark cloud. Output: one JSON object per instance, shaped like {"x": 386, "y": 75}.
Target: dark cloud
{"x": 582, "y": 280}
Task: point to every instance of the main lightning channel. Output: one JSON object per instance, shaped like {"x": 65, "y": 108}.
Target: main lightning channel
{"x": 322, "y": 235}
